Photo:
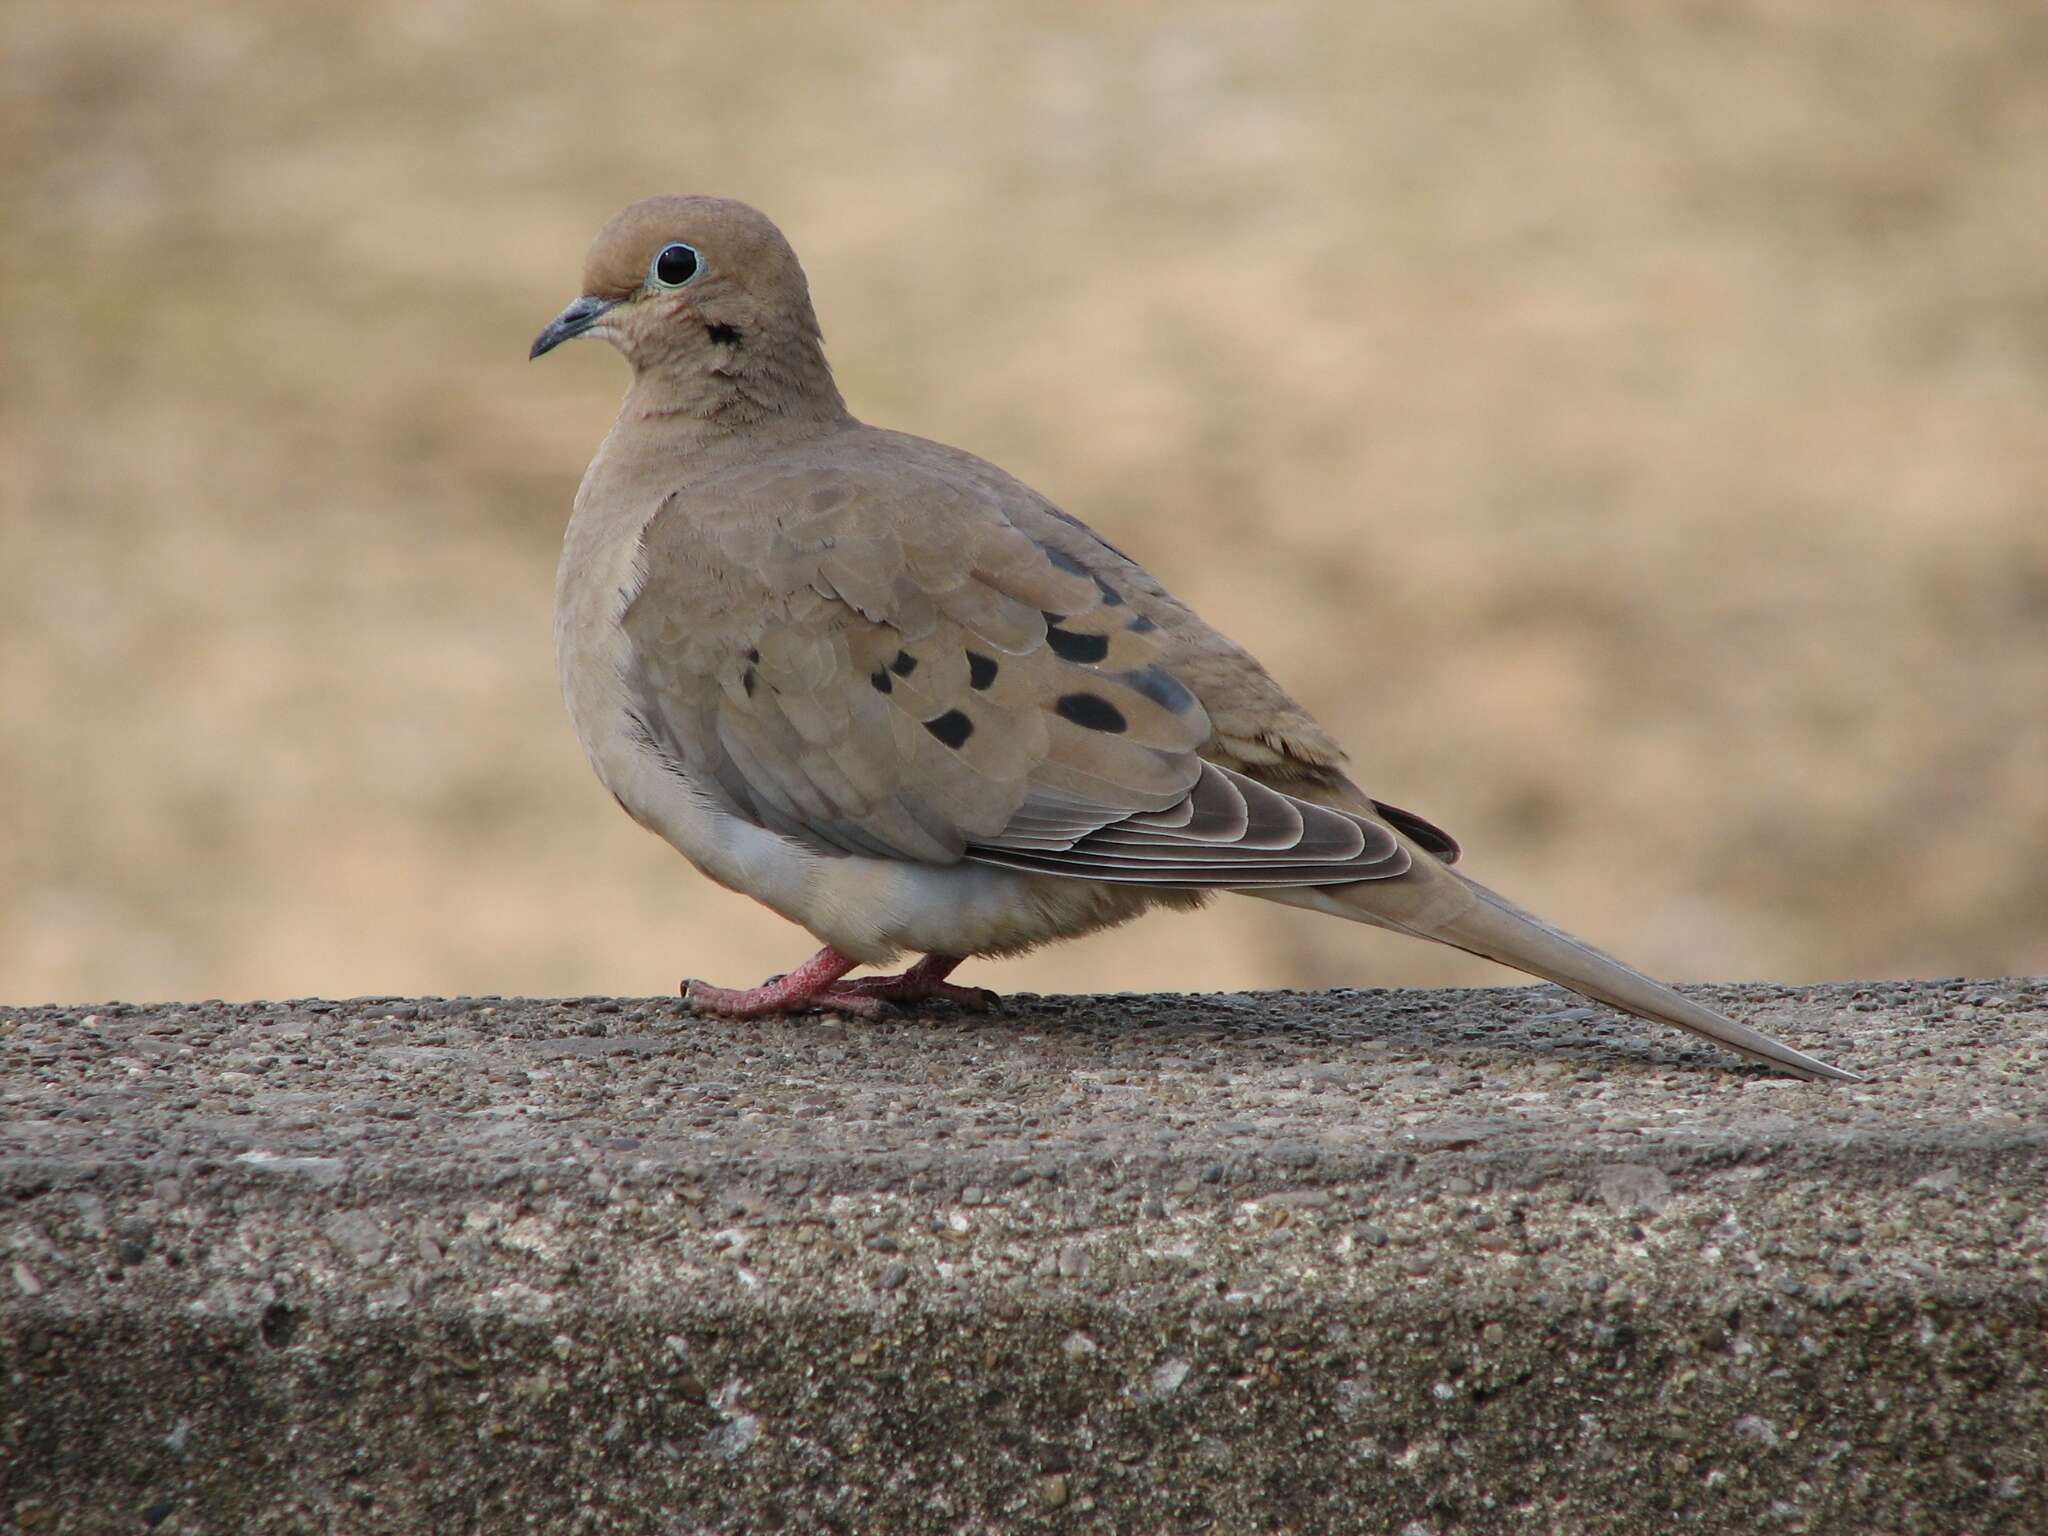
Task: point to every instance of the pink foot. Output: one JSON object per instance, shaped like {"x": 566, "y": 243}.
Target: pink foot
{"x": 923, "y": 982}
{"x": 816, "y": 985}
{"x": 809, "y": 986}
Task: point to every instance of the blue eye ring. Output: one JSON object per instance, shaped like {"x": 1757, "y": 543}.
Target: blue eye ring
{"x": 674, "y": 265}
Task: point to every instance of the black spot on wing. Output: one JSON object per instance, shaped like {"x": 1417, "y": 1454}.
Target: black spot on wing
{"x": 1161, "y": 687}
{"x": 1063, "y": 561}
{"x": 953, "y": 728}
{"x": 880, "y": 679}
{"x": 981, "y": 670}
{"x": 1140, "y": 625}
{"x": 747, "y": 681}
{"x": 904, "y": 664}
{"x": 1091, "y": 710}
{"x": 1072, "y": 645}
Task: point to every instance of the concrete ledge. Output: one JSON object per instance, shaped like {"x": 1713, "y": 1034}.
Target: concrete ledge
{"x": 1361, "y": 1261}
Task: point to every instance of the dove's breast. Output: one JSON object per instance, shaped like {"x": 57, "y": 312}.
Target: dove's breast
{"x": 602, "y": 571}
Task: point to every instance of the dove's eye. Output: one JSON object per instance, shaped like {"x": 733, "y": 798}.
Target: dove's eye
{"x": 675, "y": 265}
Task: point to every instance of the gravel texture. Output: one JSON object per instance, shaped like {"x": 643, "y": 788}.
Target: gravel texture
{"x": 1414, "y": 1262}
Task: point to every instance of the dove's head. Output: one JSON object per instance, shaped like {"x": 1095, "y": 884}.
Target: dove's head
{"x": 709, "y": 304}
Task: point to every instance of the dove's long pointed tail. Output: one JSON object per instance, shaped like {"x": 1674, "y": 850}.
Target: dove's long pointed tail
{"x": 1433, "y": 902}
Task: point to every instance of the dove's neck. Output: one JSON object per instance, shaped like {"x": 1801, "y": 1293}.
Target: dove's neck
{"x": 755, "y": 382}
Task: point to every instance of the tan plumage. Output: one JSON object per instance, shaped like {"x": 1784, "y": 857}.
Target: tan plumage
{"x": 900, "y": 698}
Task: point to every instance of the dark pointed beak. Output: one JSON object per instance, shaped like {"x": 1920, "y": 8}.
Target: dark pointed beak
{"x": 570, "y": 323}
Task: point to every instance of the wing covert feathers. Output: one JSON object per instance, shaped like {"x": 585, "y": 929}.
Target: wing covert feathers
{"x": 914, "y": 656}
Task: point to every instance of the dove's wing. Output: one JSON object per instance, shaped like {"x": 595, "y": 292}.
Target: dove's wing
{"x": 1256, "y": 726}
{"x": 860, "y": 647}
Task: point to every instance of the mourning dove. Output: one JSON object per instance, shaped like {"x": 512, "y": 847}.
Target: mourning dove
{"x": 899, "y": 697}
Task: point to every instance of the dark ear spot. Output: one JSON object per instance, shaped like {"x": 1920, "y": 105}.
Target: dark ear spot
{"x": 722, "y": 335}
{"x": 1072, "y": 645}
{"x": 981, "y": 670}
{"x": 1091, "y": 710}
{"x": 953, "y": 728}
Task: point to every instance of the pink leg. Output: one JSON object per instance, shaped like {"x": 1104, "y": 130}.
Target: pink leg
{"x": 923, "y": 982}
{"x": 816, "y": 984}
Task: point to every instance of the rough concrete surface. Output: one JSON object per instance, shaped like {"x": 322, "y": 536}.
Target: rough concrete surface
{"x": 1412, "y": 1262}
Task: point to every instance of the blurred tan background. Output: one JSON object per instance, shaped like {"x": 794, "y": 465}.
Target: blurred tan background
{"x": 1629, "y": 433}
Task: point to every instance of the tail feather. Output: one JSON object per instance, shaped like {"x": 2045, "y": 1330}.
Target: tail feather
{"x": 1436, "y": 903}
